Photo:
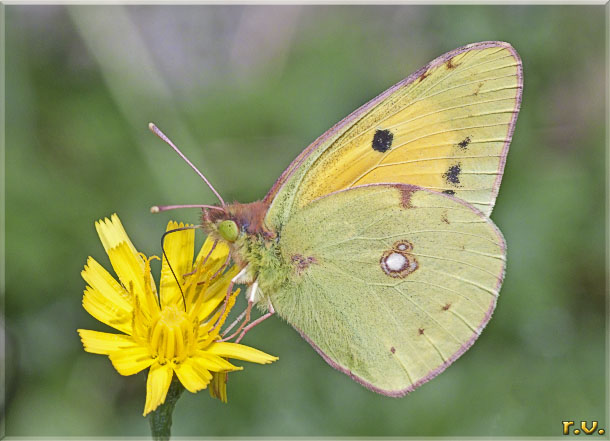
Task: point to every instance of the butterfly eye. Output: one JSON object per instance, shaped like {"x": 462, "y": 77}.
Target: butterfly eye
{"x": 228, "y": 230}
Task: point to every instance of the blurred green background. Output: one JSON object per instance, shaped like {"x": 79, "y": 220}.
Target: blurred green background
{"x": 242, "y": 90}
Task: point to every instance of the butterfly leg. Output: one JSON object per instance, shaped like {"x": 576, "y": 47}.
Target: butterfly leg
{"x": 232, "y": 325}
{"x": 204, "y": 262}
{"x": 206, "y": 258}
{"x": 252, "y": 290}
{"x": 237, "y": 279}
{"x": 246, "y": 312}
{"x": 241, "y": 276}
{"x": 223, "y": 267}
{"x": 256, "y": 322}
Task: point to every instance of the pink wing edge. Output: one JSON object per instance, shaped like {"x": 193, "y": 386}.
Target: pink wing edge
{"x": 401, "y": 392}
{"x": 348, "y": 120}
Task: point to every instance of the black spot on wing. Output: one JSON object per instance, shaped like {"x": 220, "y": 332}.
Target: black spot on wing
{"x": 452, "y": 175}
{"x": 382, "y": 141}
{"x": 451, "y": 192}
{"x": 464, "y": 143}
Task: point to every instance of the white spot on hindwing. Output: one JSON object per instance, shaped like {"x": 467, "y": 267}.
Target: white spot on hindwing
{"x": 398, "y": 262}
{"x": 395, "y": 262}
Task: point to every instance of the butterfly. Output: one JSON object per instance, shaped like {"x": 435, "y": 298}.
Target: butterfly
{"x": 375, "y": 243}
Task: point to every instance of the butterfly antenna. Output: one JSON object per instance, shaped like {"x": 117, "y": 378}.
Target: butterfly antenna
{"x": 153, "y": 128}
{"x": 167, "y": 259}
{"x": 161, "y": 208}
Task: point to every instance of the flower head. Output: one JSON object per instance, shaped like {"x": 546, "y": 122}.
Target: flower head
{"x": 173, "y": 331}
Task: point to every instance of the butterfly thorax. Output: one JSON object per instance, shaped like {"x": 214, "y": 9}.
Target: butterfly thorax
{"x": 254, "y": 246}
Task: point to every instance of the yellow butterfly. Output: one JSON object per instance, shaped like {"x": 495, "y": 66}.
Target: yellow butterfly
{"x": 375, "y": 244}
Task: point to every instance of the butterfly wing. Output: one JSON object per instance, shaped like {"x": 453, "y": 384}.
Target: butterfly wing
{"x": 396, "y": 287}
{"x": 446, "y": 127}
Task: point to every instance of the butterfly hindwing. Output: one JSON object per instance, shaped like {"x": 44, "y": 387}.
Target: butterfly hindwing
{"x": 396, "y": 287}
{"x": 447, "y": 127}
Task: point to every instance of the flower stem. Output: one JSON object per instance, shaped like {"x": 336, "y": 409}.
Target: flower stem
{"x": 161, "y": 419}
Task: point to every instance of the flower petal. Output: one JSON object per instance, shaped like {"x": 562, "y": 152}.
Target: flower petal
{"x": 105, "y": 299}
{"x": 214, "y": 268}
{"x": 240, "y": 352}
{"x": 210, "y": 260}
{"x": 157, "y": 385}
{"x": 128, "y": 267}
{"x": 103, "y": 342}
{"x": 214, "y": 363}
{"x": 193, "y": 375}
{"x": 99, "y": 279}
{"x": 179, "y": 248}
{"x": 218, "y": 386}
{"x": 214, "y": 262}
{"x": 129, "y": 360}
{"x": 208, "y": 331}
{"x": 106, "y": 312}
{"x": 216, "y": 294}
{"x": 112, "y": 233}
{"x": 146, "y": 303}
{"x": 218, "y": 253}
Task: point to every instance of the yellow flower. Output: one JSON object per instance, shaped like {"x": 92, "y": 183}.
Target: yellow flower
{"x": 176, "y": 331}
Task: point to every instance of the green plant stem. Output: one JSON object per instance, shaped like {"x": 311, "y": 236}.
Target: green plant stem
{"x": 161, "y": 419}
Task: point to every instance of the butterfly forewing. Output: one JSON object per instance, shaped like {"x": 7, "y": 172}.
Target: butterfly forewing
{"x": 396, "y": 287}
{"x": 447, "y": 127}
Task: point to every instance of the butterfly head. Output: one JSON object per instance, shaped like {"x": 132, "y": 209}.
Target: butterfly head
{"x": 237, "y": 221}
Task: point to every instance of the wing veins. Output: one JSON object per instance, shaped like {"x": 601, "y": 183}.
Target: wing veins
{"x": 376, "y": 221}
{"x": 442, "y": 91}
{"x": 423, "y": 231}
{"x": 457, "y": 72}
{"x": 447, "y": 144}
{"x": 466, "y": 322}
{"x": 352, "y": 276}
{"x": 452, "y": 129}
{"x": 342, "y": 141}
{"x": 457, "y": 261}
{"x": 450, "y": 120}
{"x": 458, "y": 189}
{"x": 445, "y": 109}
{"x": 470, "y": 282}
{"x": 494, "y": 256}
{"x": 446, "y": 289}
{"x": 421, "y": 96}
{"x": 312, "y": 306}
{"x": 423, "y": 137}
{"x": 438, "y": 158}
{"x": 449, "y": 130}
{"x": 404, "y": 295}
{"x": 428, "y": 314}
{"x": 435, "y": 347}
{"x": 389, "y": 312}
